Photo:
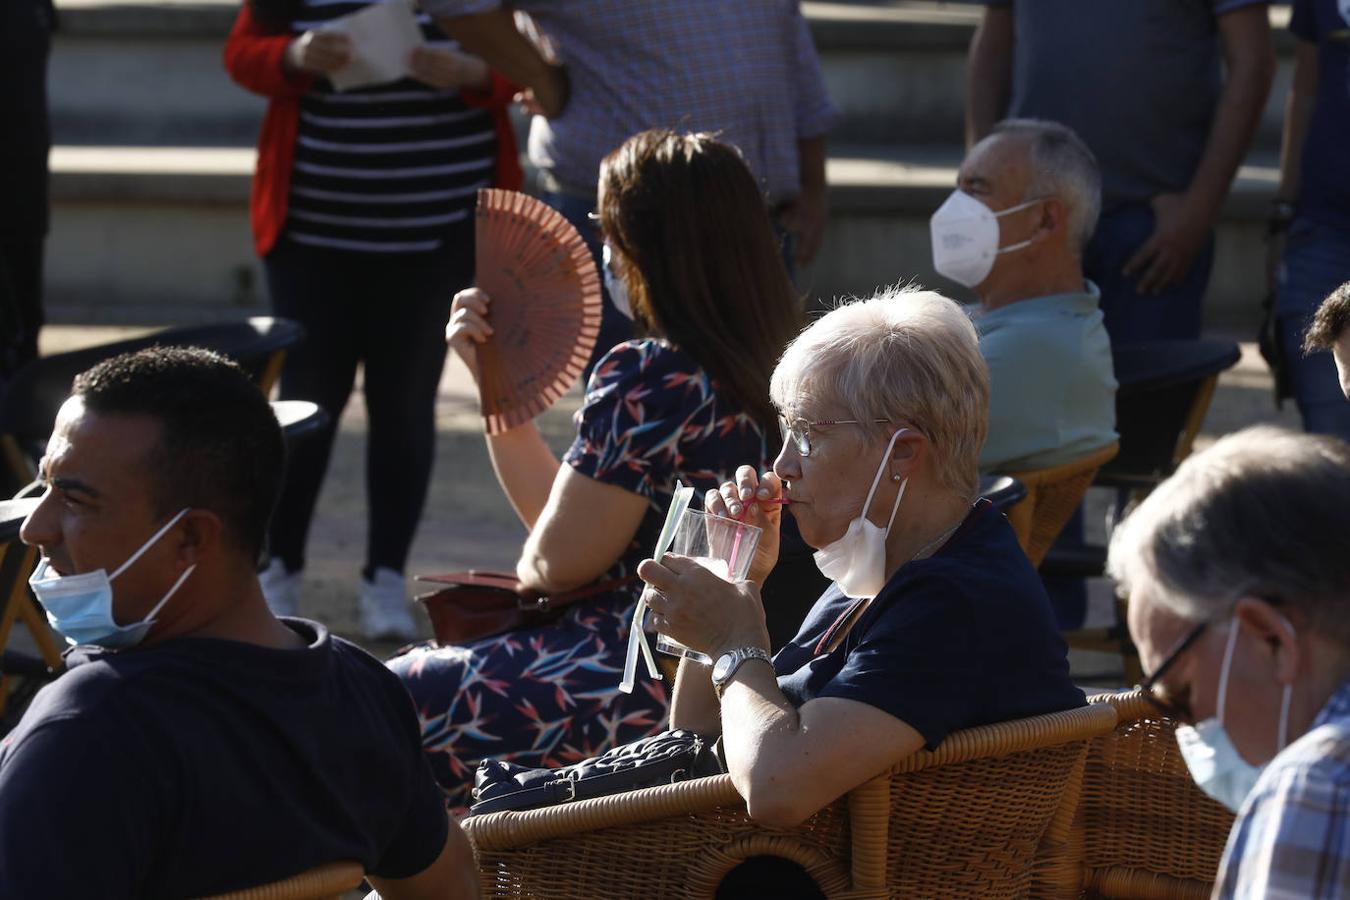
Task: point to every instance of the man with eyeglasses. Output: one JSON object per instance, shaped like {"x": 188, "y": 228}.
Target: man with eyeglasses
{"x": 1248, "y": 644}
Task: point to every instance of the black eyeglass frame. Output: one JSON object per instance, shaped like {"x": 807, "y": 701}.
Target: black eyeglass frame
{"x": 1163, "y": 706}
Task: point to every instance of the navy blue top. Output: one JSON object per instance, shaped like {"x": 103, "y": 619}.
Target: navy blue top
{"x": 965, "y": 637}
{"x": 1325, "y": 192}
{"x": 200, "y": 766}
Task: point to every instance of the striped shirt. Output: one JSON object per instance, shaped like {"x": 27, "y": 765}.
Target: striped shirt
{"x": 1292, "y": 835}
{"x": 391, "y": 168}
{"x": 744, "y": 68}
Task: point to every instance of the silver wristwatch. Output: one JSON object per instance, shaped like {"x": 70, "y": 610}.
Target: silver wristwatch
{"x": 729, "y": 662}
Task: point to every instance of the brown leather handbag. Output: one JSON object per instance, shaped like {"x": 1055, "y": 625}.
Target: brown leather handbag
{"x": 478, "y": 604}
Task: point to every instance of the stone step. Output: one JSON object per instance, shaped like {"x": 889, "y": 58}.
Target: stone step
{"x": 897, "y": 70}
{"x": 162, "y": 234}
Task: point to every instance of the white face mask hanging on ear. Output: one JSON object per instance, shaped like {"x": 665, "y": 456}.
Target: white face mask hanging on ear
{"x": 857, "y": 561}
{"x": 1214, "y": 762}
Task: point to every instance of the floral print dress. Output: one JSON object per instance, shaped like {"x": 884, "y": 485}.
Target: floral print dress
{"x": 550, "y": 696}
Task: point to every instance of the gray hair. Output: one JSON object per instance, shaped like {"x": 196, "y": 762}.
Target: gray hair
{"x": 1263, "y": 513}
{"x": 907, "y": 355}
{"x": 1062, "y": 166}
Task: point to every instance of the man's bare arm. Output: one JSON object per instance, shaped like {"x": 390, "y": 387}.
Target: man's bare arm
{"x": 989, "y": 72}
{"x": 494, "y": 37}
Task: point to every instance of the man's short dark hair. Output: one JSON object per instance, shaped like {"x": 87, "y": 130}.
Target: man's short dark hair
{"x": 221, "y": 446}
{"x": 1329, "y": 322}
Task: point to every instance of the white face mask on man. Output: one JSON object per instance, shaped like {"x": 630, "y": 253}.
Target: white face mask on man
{"x": 965, "y": 237}
{"x": 1214, "y": 762}
{"x": 857, "y": 561}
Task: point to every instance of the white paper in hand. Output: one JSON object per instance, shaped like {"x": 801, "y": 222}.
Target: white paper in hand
{"x": 383, "y": 36}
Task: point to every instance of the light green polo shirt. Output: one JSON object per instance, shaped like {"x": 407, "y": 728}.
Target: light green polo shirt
{"x": 1052, "y": 390}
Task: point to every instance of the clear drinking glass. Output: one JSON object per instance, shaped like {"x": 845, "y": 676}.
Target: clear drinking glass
{"x": 723, "y": 546}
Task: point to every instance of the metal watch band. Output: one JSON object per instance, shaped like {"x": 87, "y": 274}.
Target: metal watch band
{"x": 738, "y": 656}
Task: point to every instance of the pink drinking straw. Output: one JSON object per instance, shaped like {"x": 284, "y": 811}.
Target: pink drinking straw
{"x": 735, "y": 549}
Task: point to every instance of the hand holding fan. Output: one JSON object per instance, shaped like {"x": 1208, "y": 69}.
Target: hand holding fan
{"x": 545, "y": 296}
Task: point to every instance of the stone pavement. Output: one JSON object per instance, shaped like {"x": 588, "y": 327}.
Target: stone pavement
{"x": 468, "y": 522}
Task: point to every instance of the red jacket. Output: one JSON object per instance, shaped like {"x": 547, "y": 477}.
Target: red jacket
{"x": 253, "y": 59}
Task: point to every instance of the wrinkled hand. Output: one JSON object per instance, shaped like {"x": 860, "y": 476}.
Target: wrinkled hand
{"x": 548, "y": 98}
{"x": 805, "y": 216}
{"x": 739, "y": 500}
{"x": 446, "y": 69}
{"x": 700, "y": 610}
{"x": 1179, "y": 232}
{"x": 468, "y": 326}
{"x": 319, "y": 52}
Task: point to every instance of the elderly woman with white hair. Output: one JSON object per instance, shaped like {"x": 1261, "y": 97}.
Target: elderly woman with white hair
{"x": 936, "y": 620}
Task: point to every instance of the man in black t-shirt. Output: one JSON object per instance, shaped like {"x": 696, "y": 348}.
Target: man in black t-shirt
{"x": 197, "y": 744}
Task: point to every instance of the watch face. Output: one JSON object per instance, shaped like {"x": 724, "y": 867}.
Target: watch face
{"x": 722, "y": 667}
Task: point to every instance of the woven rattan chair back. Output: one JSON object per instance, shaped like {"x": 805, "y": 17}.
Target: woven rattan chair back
{"x": 962, "y": 821}
{"x": 1148, "y": 831}
{"x": 1052, "y": 496}
{"x": 319, "y": 883}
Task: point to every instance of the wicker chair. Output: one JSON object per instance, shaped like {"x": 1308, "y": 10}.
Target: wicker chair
{"x": 319, "y": 883}
{"x": 16, "y": 563}
{"x": 965, "y": 820}
{"x": 1052, "y": 496}
{"x": 1148, "y": 832}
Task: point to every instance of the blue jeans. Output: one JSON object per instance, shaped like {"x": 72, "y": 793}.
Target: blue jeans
{"x": 1132, "y": 317}
{"x": 615, "y": 327}
{"x": 1316, "y": 261}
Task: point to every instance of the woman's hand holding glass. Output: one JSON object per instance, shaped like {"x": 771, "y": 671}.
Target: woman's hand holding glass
{"x": 468, "y": 326}
{"x": 755, "y": 499}
{"x": 700, "y": 610}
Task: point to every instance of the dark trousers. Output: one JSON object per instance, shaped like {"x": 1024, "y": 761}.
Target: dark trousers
{"x": 388, "y": 314}
{"x": 1132, "y": 317}
{"x": 21, "y": 315}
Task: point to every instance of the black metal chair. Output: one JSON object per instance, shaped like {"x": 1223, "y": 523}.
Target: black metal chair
{"x": 1165, "y": 388}
{"x": 1004, "y": 491}
{"x": 37, "y": 391}
{"x": 17, "y": 605}
{"x": 299, "y": 418}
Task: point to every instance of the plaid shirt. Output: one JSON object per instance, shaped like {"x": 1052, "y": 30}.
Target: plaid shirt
{"x": 744, "y": 68}
{"x": 1292, "y": 836}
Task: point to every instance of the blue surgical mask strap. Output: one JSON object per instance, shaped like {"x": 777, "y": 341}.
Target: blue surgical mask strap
{"x": 1226, "y": 666}
{"x": 148, "y": 544}
{"x": 1282, "y": 737}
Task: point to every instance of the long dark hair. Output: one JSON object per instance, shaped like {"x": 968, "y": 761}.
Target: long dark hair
{"x": 700, "y": 259}
{"x": 276, "y": 15}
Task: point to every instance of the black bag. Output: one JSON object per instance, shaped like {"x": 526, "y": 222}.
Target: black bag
{"x": 1270, "y": 341}
{"x": 660, "y": 759}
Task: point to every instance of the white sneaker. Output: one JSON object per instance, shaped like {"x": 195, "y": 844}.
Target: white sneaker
{"x": 280, "y": 588}
{"x": 384, "y": 607}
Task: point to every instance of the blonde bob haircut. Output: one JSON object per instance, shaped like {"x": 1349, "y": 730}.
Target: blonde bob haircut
{"x": 905, "y": 355}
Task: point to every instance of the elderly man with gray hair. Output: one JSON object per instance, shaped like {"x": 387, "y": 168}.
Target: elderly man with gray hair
{"x": 1248, "y": 643}
{"x": 1026, "y": 202}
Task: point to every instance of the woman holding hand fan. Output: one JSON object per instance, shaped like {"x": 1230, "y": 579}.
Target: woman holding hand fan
{"x": 690, "y": 247}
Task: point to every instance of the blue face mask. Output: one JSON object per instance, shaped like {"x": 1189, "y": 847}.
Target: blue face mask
{"x": 80, "y": 607}
{"x": 618, "y": 291}
{"x": 1214, "y": 762}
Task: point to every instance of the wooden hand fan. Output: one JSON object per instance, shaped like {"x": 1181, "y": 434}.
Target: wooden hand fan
{"x": 545, "y": 306}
